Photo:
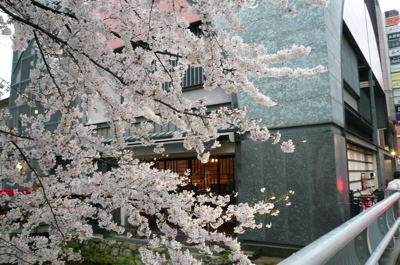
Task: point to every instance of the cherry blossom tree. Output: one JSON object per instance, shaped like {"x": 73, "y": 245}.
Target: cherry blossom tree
{"x": 78, "y": 59}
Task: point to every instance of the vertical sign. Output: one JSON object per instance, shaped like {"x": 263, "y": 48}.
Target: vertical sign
{"x": 392, "y": 21}
{"x": 393, "y": 29}
{"x": 395, "y": 60}
{"x": 394, "y": 52}
{"x": 391, "y": 13}
{"x": 392, "y": 17}
{"x": 394, "y": 44}
{"x": 396, "y": 76}
{"x": 393, "y": 36}
{"x": 395, "y": 68}
{"x": 396, "y": 80}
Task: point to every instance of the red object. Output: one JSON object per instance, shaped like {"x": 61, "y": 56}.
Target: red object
{"x": 11, "y": 192}
{"x": 392, "y": 21}
{"x": 367, "y": 201}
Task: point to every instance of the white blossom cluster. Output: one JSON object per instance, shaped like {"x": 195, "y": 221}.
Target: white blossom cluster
{"x": 79, "y": 69}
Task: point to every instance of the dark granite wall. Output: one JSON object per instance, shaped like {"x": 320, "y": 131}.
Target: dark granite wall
{"x": 317, "y": 174}
{"x": 310, "y": 107}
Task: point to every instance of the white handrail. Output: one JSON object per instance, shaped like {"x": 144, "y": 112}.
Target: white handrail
{"x": 376, "y": 255}
{"x": 324, "y": 248}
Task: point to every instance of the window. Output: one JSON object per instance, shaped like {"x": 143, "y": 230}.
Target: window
{"x": 361, "y": 168}
{"x": 218, "y": 175}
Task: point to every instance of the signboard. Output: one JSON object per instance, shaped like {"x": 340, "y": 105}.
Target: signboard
{"x": 396, "y": 84}
{"x": 392, "y": 21}
{"x": 393, "y": 36}
{"x": 396, "y": 80}
{"x": 391, "y": 13}
{"x": 395, "y": 60}
{"x": 397, "y": 109}
{"x": 394, "y": 44}
{"x": 394, "y": 52}
{"x": 393, "y": 29}
{"x": 396, "y": 100}
{"x": 396, "y": 76}
{"x": 395, "y": 68}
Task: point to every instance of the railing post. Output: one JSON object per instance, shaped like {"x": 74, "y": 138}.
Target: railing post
{"x": 380, "y": 194}
{"x": 352, "y": 206}
{"x": 388, "y": 239}
{"x": 376, "y": 231}
{"x": 361, "y": 246}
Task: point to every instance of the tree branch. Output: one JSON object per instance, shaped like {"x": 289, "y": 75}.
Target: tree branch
{"x": 14, "y": 135}
{"x": 29, "y": 23}
{"x": 41, "y": 186}
{"x": 40, "y": 5}
{"x": 165, "y": 69}
{"x": 168, "y": 53}
{"x": 65, "y": 43}
{"x": 46, "y": 64}
{"x": 149, "y": 22}
{"x": 13, "y": 254}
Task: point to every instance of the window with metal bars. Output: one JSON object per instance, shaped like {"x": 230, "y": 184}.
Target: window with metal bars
{"x": 194, "y": 76}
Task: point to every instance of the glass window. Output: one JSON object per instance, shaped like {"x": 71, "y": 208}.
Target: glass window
{"x": 218, "y": 175}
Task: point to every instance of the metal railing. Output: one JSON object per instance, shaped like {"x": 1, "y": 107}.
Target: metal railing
{"x": 360, "y": 240}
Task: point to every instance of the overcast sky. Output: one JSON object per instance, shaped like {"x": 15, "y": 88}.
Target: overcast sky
{"x": 387, "y": 5}
{"x": 6, "y": 51}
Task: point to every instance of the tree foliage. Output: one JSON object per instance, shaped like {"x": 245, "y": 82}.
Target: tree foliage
{"x": 95, "y": 53}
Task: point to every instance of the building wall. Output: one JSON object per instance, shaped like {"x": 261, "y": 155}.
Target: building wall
{"x": 316, "y": 172}
{"x": 309, "y": 108}
{"x": 3, "y": 105}
{"x": 312, "y": 108}
{"x": 318, "y": 97}
{"x": 359, "y": 22}
{"x": 363, "y": 26}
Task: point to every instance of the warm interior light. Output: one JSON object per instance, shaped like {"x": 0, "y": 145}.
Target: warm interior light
{"x": 19, "y": 166}
{"x": 393, "y": 153}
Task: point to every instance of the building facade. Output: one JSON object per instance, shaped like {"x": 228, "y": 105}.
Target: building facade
{"x": 342, "y": 114}
{"x": 340, "y": 119}
{"x": 3, "y": 105}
